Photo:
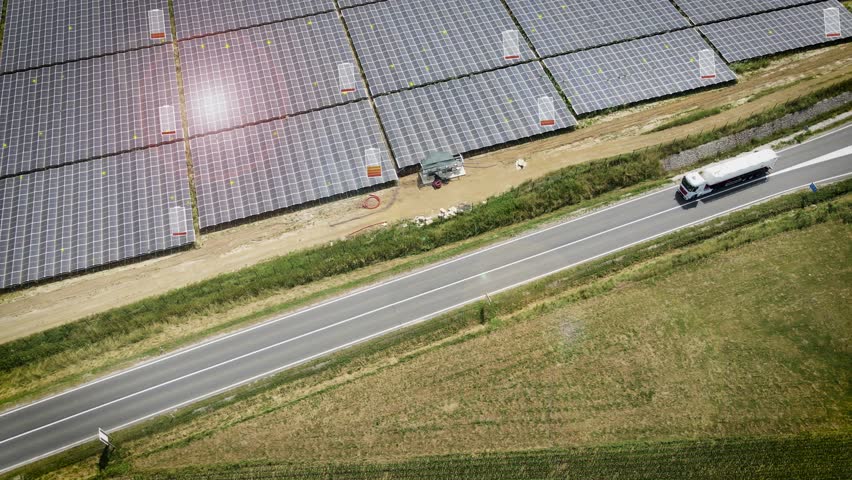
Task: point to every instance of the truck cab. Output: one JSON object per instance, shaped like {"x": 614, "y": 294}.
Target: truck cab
{"x": 693, "y": 185}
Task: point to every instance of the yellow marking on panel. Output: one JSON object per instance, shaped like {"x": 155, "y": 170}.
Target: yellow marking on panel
{"x": 35, "y": 80}
{"x": 5, "y": 145}
{"x": 427, "y": 68}
{"x": 310, "y": 22}
{"x": 227, "y": 45}
{"x": 540, "y": 16}
{"x": 135, "y": 137}
{"x": 203, "y": 46}
{"x": 232, "y": 182}
{"x": 70, "y": 27}
{"x": 103, "y": 174}
{"x": 410, "y": 84}
{"x": 269, "y": 42}
{"x": 444, "y": 32}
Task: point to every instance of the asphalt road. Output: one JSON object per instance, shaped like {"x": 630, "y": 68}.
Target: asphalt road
{"x": 60, "y": 422}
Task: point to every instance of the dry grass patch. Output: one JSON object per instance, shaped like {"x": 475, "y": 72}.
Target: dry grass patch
{"x": 744, "y": 343}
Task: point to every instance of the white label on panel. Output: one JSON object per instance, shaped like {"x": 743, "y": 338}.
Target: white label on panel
{"x": 346, "y": 74}
{"x": 546, "y": 112}
{"x": 707, "y": 63}
{"x": 157, "y": 24}
{"x": 511, "y": 45}
{"x": 168, "y": 124}
{"x": 832, "y": 22}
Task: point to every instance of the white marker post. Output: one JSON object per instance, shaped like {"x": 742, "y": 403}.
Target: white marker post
{"x": 156, "y": 24}
{"x": 511, "y": 45}
{"x": 168, "y": 124}
{"x": 546, "y": 112}
{"x": 103, "y": 437}
{"x": 346, "y": 77}
{"x": 832, "y": 22}
{"x": 373, "y": 162}
{"x": 707, "y": 64}
{"x": 177, "y": 221}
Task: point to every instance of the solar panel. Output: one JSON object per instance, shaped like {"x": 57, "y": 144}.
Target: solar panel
{"x": 79, "y": 110}
{"x": 470, "y": 113}
{"x": 560, "y": 26}
{"x": 275, "y": 165}
{"x": 406, "y": 44}
{"x": 633, "y": 71}
{"x": 202, "y": 17}
{"x": 42, "y": 32}
{"x": 355, "y": 3}
{"x": 706, "y": 11}
{"x": 80, "y": 216}
{"x": 265, "y": 72}
{"x": 774, "y": 32}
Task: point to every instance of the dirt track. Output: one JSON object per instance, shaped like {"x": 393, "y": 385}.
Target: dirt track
{"x": 42, "y": 307}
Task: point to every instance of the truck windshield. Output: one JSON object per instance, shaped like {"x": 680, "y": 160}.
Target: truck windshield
{"x": 688, "y": 185}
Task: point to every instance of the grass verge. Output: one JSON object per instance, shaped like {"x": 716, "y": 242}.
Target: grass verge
{"x": 54, "y": 349}
{"x": 306, "y": 384}
{"x": 781, "y": 458}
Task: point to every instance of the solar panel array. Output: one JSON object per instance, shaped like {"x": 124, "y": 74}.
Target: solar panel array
{"x": 637, "y": 70}
{"x": 74, "y": 111}
{"x": 94, "y": 213}
{"x": 560, "y": 26}
{"x": 201, "y": 17}
{"x": 470, "y": 113}
{"x": 265, "y": 72}
{"x": 706, "y": 11}
{"x": 275, "y": 165}
{"x": 44, "y": 32}
{"x": 406, "y": 44}
{"x": 775, "y": 32}
{"x": 355, "y": 3}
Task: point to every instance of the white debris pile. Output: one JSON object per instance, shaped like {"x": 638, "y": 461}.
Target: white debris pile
{"x": 521, "y": 164}
{"x": 443, "y": 214}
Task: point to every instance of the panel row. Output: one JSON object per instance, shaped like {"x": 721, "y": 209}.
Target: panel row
{"x": 706, "y": 11}
{"x": 93, "y": 213}
{"x": 275, "y": 165}
{"x": 203, "y": 17}
{"x": 266, "y": 72}
{"x": 75, "y": 111}
{"x": 780, "y": 31}
{"x": 637, "y": 70}
{"x": 472, "y": 113}
{"x": 44, "y": 32}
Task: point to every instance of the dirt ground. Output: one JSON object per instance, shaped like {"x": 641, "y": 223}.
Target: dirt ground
{"x": 38, "y": 308}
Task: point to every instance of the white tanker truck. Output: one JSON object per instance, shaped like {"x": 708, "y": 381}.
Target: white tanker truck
{"x": 725, "y": 174}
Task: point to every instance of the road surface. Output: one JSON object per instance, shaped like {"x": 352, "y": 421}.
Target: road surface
{"x": 60, "y": 422}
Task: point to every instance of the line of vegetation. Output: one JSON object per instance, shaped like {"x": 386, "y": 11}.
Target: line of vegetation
{"x": 691, "y": 117}
{"x": 782, "y": 458}
{"x": 794, "y": 211}
{"x": 568, "y": 186}
{"x": 746, "y": 66}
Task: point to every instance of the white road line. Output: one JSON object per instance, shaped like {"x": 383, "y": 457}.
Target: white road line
{"x": 420, "y": 319}
{"x": 362, "y": 291}
{"x": 335, "y": 300}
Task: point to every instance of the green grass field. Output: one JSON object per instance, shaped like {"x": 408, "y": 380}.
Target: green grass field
{"x": 708, "y": 354}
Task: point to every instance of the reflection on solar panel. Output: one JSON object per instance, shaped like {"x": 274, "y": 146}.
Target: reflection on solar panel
{"x": 266, "y": 72}
{"x": 633, "y": 71}
{"x": 93, "y": 213}
{"x": 42, "y": 32}
{"x": 202, "y": 17}
{"x": 560, "y": 26}
{"x": 470, "y": 113}
{"x": 774, "y": 32}
{"x": 275, "y": 165}
{"x": 705, "y": 11}
{"x": 405, "y": 44}
{"x": 79, "y": 110}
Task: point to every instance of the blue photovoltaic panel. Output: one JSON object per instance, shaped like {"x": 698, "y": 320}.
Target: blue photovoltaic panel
{"x": 266, "y": 72}
{"x": 633, "y": 71}
{"x": 469, "y": 113}
{"x": 202, "y": 17}
{"x": 706, "y": 11}
{"x": 79, "y": 110}
{"x": 279, "y": 164}
{"x": 72, "y": 218}
{"x": 354, "y": 3}
{"x": 775, "y": 32}
{"x": 402, "y": 44}
{"x": 561, "y": 26}
{"x": 44, "y": 32}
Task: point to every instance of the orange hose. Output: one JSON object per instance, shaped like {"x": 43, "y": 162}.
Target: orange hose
{"x": 366, "y": 203}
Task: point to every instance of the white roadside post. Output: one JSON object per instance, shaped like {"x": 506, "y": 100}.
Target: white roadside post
{"x": 104, "y": 438}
